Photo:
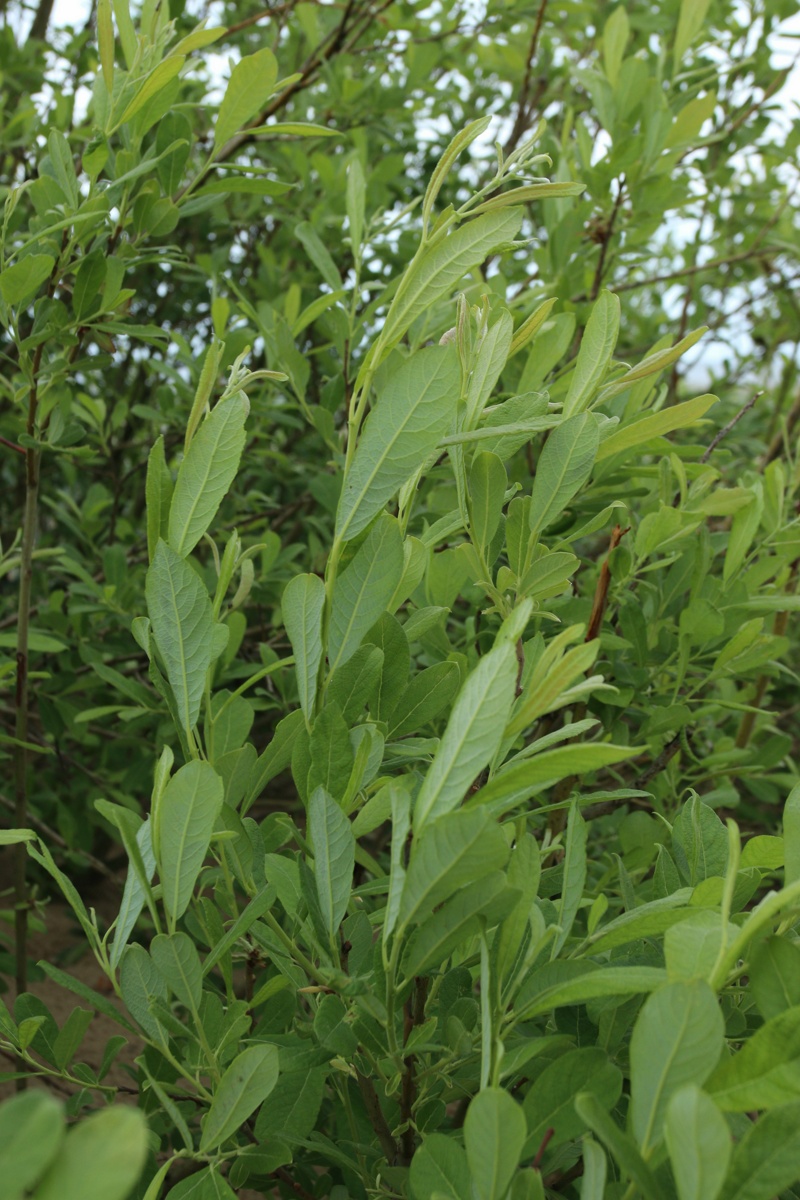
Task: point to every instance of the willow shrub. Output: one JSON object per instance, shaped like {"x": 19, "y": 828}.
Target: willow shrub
{"x": 404, "y": 619}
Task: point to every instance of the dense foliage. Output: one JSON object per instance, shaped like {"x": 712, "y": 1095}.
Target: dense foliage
{"x": 400, "y": 430}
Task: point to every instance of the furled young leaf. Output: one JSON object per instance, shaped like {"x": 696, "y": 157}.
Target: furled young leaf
{"x": 453, "y": 851}
{"x": 302, "y": 606}
{"x": 251, "y": 84}
{"x": 699, "y": 1144}
{"x": 183, "y": 626}
{"x": 207, "y": 472}
{"x": 246, "y": 1083}
{"x": 440, "y": 267}
{"x": 473, "y": 734}
{"x": 494, "y": 1134}
{"x": 594, "y": 356}
{"x": 563, "y": 468}
{"x": 414, "y": 409}
{"x": 103, "y": 1155}
{"x": 677, "y": 1039}
{"x": 334, "y": 856}
{"x": 364, "y": 589}
{"x": 187, "y": 813}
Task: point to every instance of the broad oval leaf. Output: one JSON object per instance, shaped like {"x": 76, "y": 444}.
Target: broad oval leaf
{"x": 699, "y": 1144}
{"x": 20, "y": 281}
{"x": 494, "y": 1134}
{"x": 32, "y": 1128}
{"x": 246, "y": 1083}
{"x": 103, "y": 1155}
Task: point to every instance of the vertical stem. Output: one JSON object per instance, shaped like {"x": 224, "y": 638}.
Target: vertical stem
{"x": 22, "y": 695}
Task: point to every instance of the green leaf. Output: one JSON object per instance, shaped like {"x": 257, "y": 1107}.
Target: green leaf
{"x": 494, "y": 1134}
{"x": 103, "y": 1155}
{"x": 355, "y": 202}
{"x": 563, "y": 468}
{"x": 624, "y": 1150}
{"x": 63, "y": 166}
{"x": 473, "y": 734}
{"x": 334, "y": 857}
{"x": 699, "y": 842}
{"x": 176, "y": 959}
{"x": 574, "y": 876}
{"x": 767, "y": 1159}
{"x": 20, "y": 282}
{"x": 331, "y": 753}
{"x": 791, "y": 836}
{"x": 183, "y": 627}
{"x": 594, "y": 356}
{"x": 439, "y": 1169}
{"x": 293, "y": 1105}
{"x": 677, "y": 1039}
{"x": 251, "y": 84}
{"x": 32, "y": 1129}
{"x": 550, "y": 1102}
{"x": 458, "y": 920}
{"x": 595, "y": 1166}
{"x": 155, "y": 82}
{"x": 246, "y": 1083}
{"x": 415, "y": 408}
{"x": 302, "y": 606}
{"x": 616, "y": 32}
{"x": 206, "y": 1184}
{"x": 187, "y": 813}
{"x": 699, "y": 1144}
{"x": 207, "y": 472}
{"x": 487, "y": 488}
{"x": 453, "y": 851}
{"x": 319, "y": 254}
{"x": 527, "y": 778}
{"x": 364, "y": 589}
{"x": 538, "y": 995}
{"x": 766, "y": 1071}
{"x": 690, "y": 22}
{"x": 141, "y": 984}
{"x": 656, "y": 425}
{"x": 424, "y": 698}
{"x": 440, "y": 267}
{"x": 774, "y": 976}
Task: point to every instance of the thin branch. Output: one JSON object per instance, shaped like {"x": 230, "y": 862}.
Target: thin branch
{"x": 524, "y": 101}
{"x": 726, "y": 429}
{"x": 684, "y": 272}
{"x": 608, "y": 233}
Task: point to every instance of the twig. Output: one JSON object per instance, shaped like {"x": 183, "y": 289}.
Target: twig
{"x": 524, "y": 103}
{"x": 377, "y": 1119}
{"x": 776, "y": 445}
{"x": 608, "y": 233}
{"x": 683, "y": 273}
{"x": 11, "y": 445}
{"x": 726, "y": 429}
{"x": 659, "y": 762}
{"x": 603, "y": 584}
{"x": 537, "y": 1162}
{"x": 56, "y": 838}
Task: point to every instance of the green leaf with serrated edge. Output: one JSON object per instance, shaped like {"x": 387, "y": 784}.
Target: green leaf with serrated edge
{"x": 454, "y": 850}
{"x": 767, "y": 1159}
{"x": 302, "y": 606}
{"x": 246, "y": 1083}
{"x": 207, "y": 472}
{"x": 594, "y": 356}
{"x": 534, "y": 998}
{"x": 622, "y": 1147}
{"x": 440, "y": 267}
{"x": 487, "y": 490}
{"x": 473, "y": 734}
{"x": 439, "y": 1169}
{"x": 103, "y": 1155}
{"x": 563, "y": 468}
{"x": 412, "y": 412}
{"x": 251, "y": 84}
{"x": 677, "y": 1039}
{"x": 189, "y": 808}
{"x": 19, "y": 282}
{"x": 494, "y": 1134}
{"x": 332, "y": 839}
{"x": 423, "y": 699}
{"x": 574, "y": 876}
{"x": 364, "y": 589}
{"x": 656, "y": 425}
{"x": 524, "y": 779}
{"x": 699, "y": 1144}
{"x": 32, "y": 1129}
{"x": 183, "y": 626}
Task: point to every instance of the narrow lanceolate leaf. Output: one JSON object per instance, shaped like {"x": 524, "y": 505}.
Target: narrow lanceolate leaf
{"x": 105, "y": 41}
{"x": 490, "y": 362}
{"x": 487, "y": 489}
{"x": 334, "y": 857}
{"x": 677, "y": 1039}
{"x": 176, "y": 959}
{"x": 473, "y": 734}
{"x": 533, "y": 775}
{"x": 594, "y": 356}
{"x": 651, "y": 365}
{"x": 494, "y": 1134}
{"x": 439, "y": 269}
{"x": 183, "y": 625}
{"x": 188, "y": 810}
{"x": 158, "y": 492}
{"x": 563, "y": 468}
{"x": 246, "y": 1083}
{"x": 414, "y": 410}
{"x": 155, "y": 82}
{"x": 251, "y": 84}
{"x": 656, "y": 425}
{"x": 302, "y": 605}
{"x": 574, "y": 876}
{"x": 207, "y": 472}
{"x": 530, "y": 326}
{"x": 364, "y": 589}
